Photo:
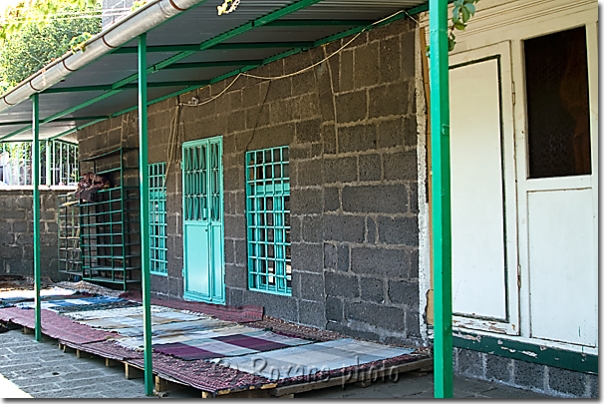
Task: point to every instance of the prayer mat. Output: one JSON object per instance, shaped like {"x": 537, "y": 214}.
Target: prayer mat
{"x": 170, "y": 336}
{"x": 305, "y": 360}
{"x": 114, "y": 313}
{"x": 204, "y": 375}
{"x": 56, "y": 303}
{"x": 221, "y": 346}
{"x": 56, "y": 326}
{"x": 239, "y": 314}
{"x": 100, "y": 306}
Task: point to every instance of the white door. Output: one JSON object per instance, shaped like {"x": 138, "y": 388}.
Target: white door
{"x": 558, "y": 185}
{"x": 483, "y": 195}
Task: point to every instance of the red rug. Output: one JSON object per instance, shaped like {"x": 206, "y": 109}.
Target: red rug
{"x": 239, "y": 314}
{"x": 107, "y": 349}
{"x": 203, "y": 375}
{"x": 56, "y": 326}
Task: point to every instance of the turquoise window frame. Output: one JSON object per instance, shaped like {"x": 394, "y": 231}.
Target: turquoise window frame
{"x": 268, "y": 220}
{"x": 158, "y": 235}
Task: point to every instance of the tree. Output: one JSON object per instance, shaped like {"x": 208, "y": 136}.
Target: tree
{"x": 35, "y": 35}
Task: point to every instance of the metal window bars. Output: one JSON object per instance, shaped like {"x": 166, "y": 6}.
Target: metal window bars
{"x": 157, "y": 219}
{"x": 58, "y": 161}
{"x": 268, "y": 220}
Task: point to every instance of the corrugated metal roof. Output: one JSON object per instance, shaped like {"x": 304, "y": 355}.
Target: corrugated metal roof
{"x": 191, "y": 27}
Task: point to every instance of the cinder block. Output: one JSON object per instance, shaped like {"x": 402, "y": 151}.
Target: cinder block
{"x": 331, "y": 196}
{"x": 310, "y": 173}
{"x": 498, "y": 368}
{"x": 401, "y": 166}
{"x": 528, "y": 374}
{"x": 374, "y": 199}
{"x": 312, "y": 313}
{"x": 470, "y": 363}
{"x": 370, "y": 167}
{"x": 404, "y": 292}
{"x": 334, "y": 309}
{"x": 391, "y": 263}
{"x": 398, "y": 230}
{"x": 566, "y": 381}
{"x": 330, "y": 256}
{"x": 379, "y": 315}
{"x": 340, "y": 169}
{"x": 340, "y": 227}
{"x": 357, "y": 138}
{"x": 372, "y": 289}
{"x": 307, "y": 257}
{"x": 339, "y": 284}
{"x": 390, "y": 60}
{"x": 312, "y": 228}
{"x": 366, "y": 65}
{"x": 351, "y": 107}
{"x": 389, "y": 100}
{"x": 308, "y": 131}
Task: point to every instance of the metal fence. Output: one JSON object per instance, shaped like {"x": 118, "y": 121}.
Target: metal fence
{"x": 58, "y": 163}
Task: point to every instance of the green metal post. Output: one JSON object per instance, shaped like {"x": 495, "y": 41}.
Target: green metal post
{"x": 441, "y": 201}
{"x": 144, "y": 208}
{"x": 35, "y": 181}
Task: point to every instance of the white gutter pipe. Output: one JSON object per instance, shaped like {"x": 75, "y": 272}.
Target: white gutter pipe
{"x": 123, "y": 31}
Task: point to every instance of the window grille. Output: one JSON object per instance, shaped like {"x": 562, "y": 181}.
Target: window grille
{"x": 58, "y": 163}
{"x": 157, "y": 219}
{"x": 268, "y": 220}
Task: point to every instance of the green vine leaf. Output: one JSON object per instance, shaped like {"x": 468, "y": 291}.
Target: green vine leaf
{"x": 79, "y": 42}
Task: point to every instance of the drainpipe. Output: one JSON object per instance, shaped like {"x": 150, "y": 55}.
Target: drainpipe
{"x": 127, "y": 29}
{"x": 35, "y": 180}
{"x": 441, "y": 202}
{"x": 143, "y": 175}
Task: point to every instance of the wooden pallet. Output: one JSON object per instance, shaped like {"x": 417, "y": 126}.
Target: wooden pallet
{"x": 363, "y": 378}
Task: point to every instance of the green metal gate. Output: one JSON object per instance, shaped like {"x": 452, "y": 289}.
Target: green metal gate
{"x": 203, "y": 221}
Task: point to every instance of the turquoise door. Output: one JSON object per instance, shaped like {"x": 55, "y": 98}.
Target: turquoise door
{"x": 203, "y": 221}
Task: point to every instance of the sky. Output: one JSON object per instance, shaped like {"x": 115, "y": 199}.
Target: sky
{"x": 4, "y": 3}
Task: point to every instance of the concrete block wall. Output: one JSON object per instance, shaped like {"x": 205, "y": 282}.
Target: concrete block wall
{"x": 370, "y": 219}
{"x": 352, "y": 133}
{"x": 16, "y": 233}
{"x": 544, "y": 379}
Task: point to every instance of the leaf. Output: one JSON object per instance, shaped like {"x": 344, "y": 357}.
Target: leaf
{"x": 460, "y": 26}
{"x": 465, "y": 15}
{"x": 455, "y": 14}
{"x": 471, "y": 8}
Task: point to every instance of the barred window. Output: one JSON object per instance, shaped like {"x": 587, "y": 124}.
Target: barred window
{"x": 157, "y": 219}
{"x": 268, "y": 220}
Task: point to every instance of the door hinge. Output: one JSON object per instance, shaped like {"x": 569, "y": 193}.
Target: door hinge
{"x": 518, "y": 280}
{"x": 513, "y": 93}
{"x": 183, "y": 272}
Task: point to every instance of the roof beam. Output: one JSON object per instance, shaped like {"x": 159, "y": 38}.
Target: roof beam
{"x": 225, "y": 63}
{"x": 320, "y": 23}
{"x": 220, "y": 46}
{"x": 77, "y": 118}
{"x": 159, "y": 84}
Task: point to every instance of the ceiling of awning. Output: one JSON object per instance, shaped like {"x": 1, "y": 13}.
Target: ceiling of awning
{"x": 90, "y": 95}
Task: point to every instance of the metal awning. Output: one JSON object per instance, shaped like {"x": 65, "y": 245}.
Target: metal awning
{"x": 194, "y": 48}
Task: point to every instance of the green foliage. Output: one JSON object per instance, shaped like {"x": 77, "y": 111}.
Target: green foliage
{"x": 138, "y": 4}
{"x": 41, "y": 38}
{"x": 462, "y": 11}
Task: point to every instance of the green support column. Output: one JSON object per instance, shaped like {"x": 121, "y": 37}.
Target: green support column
{"x": 441, "y": 200}
{"x": 35, "y": 181}
{"x": 144, "y": 208}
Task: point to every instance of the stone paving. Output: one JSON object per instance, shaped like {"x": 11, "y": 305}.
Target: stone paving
{"x": 42, "y": 370}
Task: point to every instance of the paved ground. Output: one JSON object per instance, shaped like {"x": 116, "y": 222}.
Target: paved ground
{"x": 42, "y": 370}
